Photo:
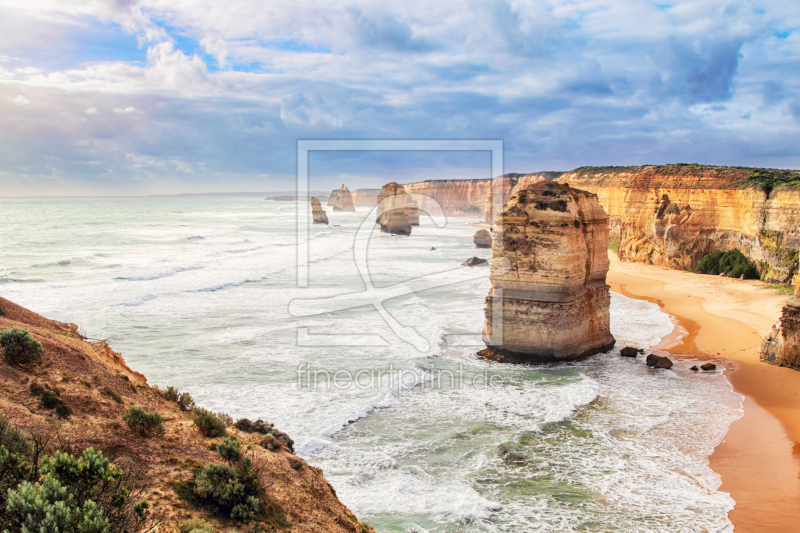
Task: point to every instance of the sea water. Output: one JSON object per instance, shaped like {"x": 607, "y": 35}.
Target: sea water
{"x": 197, "y": 293}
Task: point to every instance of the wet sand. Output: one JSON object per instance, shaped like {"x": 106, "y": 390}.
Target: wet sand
{"x": 725, "y": 321}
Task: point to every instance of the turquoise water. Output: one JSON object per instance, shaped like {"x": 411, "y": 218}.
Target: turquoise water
{"x": 197, "y": 294}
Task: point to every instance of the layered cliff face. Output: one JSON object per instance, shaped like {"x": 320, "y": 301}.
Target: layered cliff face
{"x": 366, "y": 197}
{"x": 504, "y": 187}
{"x": 344, "y": 201}
{"x": 456, "y": 197}
{"x": 96, "y": 386}
{"x": 549, "y": 265}
{"x": 672, "y": 215}
{"x": 319, "y": 216}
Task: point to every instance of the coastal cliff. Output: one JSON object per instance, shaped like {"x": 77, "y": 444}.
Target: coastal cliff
{"x": 76, "y": 396}
{"x": 366, "y": 197}
{"x": 549, "y": 266}
{"x": 397, "y": 212}
{"x": 456, "y": 197}
{"x": 673, "y": 215}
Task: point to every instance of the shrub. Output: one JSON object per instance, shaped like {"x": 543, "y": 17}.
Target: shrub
{"x": 229, "y": 449}
{"x": 733, "y": 263}
{"x": 144, "y": 423}
{"x": 171, "y": 394}
{"x": 259, "y": 426}
{"x": 19, "y": 348}
{"x": 111, "y": 394}
{"x": 210, "y": 424}
{"x": 274, "y": 440}
{"x": 51, "y": 399}
{"x": 73, "y": 494}
{"x": 185, "y": 402}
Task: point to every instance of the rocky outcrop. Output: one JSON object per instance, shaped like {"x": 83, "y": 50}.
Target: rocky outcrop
{"x": 366, "y": 197}
{"x": 782, "y": 345}
{"x": 548, "y": 275}
{"x": 97, "y": 387}
{"x": 504, "y": 187}
{"x": 344, "y": 201}
{"x": 673, "y": 215}
{"x": 317, "y": 213}
{"x": 397, "y": 211}
{"x": 474, "y": 261}
{"x": 482, "y": 239}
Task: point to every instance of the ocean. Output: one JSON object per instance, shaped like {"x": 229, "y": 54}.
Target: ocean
{"x": 414, "y": 436}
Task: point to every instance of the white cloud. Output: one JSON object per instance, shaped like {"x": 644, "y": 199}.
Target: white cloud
{"x": 90, "y": 110}
{"x": 20, "y": 100}
{"x": 129, "y": 109}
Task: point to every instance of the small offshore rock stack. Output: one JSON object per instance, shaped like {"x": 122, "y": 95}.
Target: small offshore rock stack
{"x": 316, "y": 211}
{"x": 550, "y": 260}
{"x": 782, "y": 345}
{"x": 397, "y": 211}
{"x": 344, "y": 201}
{"x": 482, "y": 239}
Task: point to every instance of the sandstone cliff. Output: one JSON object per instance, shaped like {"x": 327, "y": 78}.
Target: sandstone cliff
{"x": 456, "y": 197}
{"x": 549, "y": 265}
{"x": 782, "y": 345}
{"x": 97, "y": 388}
{"x": 344, "y": 201}
{"x": 366, "y": 197}
{"x": 319, "y": 216}
{"x": 672, "y": 215}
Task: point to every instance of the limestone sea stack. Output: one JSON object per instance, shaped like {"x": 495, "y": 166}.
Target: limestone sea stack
{"x": 397, "y": 212}
{"x": 332, "y": 197}
{"x": 482, "y": 239}
{"x": 344, "y": 201}
{"x": 320, "y": 217}
{"x": 549, "y": 266}
{"x": 782, "y": 345}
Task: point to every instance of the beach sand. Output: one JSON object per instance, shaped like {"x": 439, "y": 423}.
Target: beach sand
{"x": 725, "y": 321}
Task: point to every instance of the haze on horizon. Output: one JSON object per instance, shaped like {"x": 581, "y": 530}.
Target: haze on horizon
{"x": 138, "y": 97}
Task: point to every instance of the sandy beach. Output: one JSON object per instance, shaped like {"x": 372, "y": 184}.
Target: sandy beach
{"x": 725, "y": 320}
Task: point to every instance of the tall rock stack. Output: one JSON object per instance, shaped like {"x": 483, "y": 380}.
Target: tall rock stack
{"x": 344, "y": 201}
{"x": 549, "y": 266}
{"x": 394, "y": 209}
{"x": 366, "y": 197}
{"x": 320, "y": 217}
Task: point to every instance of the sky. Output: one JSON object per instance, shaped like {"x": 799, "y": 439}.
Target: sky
{"x": 137, "y": 97}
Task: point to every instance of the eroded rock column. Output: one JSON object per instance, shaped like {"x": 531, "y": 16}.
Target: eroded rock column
{"x": 549, "y": 261}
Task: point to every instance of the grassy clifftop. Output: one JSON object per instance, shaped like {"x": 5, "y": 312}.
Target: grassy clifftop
{"x": 766, "y": 179}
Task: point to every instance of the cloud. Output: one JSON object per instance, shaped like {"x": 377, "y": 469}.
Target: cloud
{"x": 20, "y": 100}
{"x": 205, "y": 93}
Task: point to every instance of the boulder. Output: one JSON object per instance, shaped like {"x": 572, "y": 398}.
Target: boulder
{"x": 548, "y": 275}
{"x": 709, "y": 366}
{"x": 432, "y": 248}
{"x": 482, "y": 239}
{"x": 658, "y": 361}
{"x": 475, "y": 261}
{"x": 694, "y": 368}
{"x": 629, "y": 352}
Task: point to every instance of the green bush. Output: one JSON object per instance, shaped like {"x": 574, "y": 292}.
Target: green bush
{"x": 183, "y": 399}
{"x": 19, "y": 348}
{"x": 733, "y": 263}
{"x": 65, "y": 493}
{"x": 274, "y": 439}
{"x": 230, "y": 450}
{"x": 210, "y": 424}
{"x": 171, "y": 394}
{"x": 144, "y": 423}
